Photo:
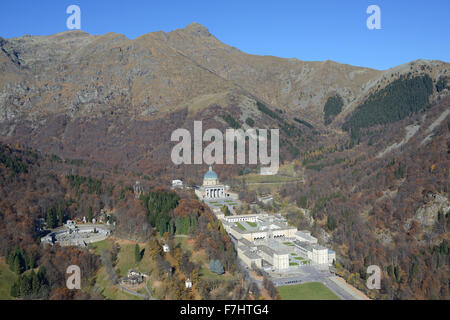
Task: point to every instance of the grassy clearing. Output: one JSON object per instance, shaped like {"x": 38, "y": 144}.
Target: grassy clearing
{"x": 183, "y": 243}
{"x": 240, "y": 226}
{"x": 293, "y": 264}
{"x": 288, "y": 244}
{"x": 203, "y": 101}
{"x": 252, "y": 224}
{"x": 200, "y": 257}
{"x": 126, "y": 260}
{"x": 111, "y": 292}
{"x": 204, "y": 273}
{"x": 7, "y": 278}
{"x": 287, "y": 169}
{"x": 307, "y": 291}
{"x": 98, "y": 247}
{"x": 256, "y": 178}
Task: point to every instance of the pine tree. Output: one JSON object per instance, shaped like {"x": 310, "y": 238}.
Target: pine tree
{"x": 137, "y": 253}
{"x": 31, "y": 261}
{"x": 331, "y": 223}
{"x": 186, "y": 225}
{"x": 25, "y": 284}
{"x": 10, "y": 260}
{"x": 14, "y": 290}
{"x": 18, "y": 264}
{"x": 171, "y": 226}
{"x": 397, "y": 273}
{"x": 35, "y": 285}
{"x": 90, "y": 215}
{"x": 52, "y": 220}
{"x": 60, "y": 214}
{"x": 41, "y": 275}
{"x": 162, "y": 227}
{"x": 302, "y": 202}
{"x": 193, "y": 223}
{"x": 178, "y": 225}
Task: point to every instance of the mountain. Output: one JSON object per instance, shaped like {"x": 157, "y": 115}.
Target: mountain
{"x": 60, "y": 91}
{"x": 82, "y": 74}
{"x": 371, "y": 146}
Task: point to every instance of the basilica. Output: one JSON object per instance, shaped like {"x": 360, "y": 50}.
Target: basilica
{"x": 211, "y": 188}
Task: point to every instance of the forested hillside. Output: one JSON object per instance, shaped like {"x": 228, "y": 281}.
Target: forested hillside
{"x": 366, "y": 152}
{"x": 391, "y": 211}
{"x": 399, "y": 99}
{"x": 35, "y": 186}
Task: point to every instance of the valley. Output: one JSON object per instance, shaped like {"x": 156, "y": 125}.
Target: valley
{"x": 364, "y": 164}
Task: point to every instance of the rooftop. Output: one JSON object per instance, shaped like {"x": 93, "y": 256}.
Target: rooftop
{"x": 251, "y": 255}
{"x": 308, "y": 246}
{"x": 273, "y": 247}
{"x": 210, "y": 174}
{"x": 306, "y": 235}
{"x": 245, "y": 242}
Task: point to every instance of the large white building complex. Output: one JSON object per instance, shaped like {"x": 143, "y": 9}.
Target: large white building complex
{"x": 268, "y": 242}
{"x": 264, "y": 240}
{"x": 258, "y": 227}
{"x": 309, "y": 247}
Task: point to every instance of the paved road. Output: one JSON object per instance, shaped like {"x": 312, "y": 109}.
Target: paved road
{"x": 149, "y": 294}
{"x": 310, "y": 274}
{"x": 348, "y": 289}
{"x": 106, "y": 261}
{"x": 146, "y": 297}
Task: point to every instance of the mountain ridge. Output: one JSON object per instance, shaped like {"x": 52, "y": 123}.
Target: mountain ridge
{"x": 289, "y": 84}
{"x": 114, "y": 102}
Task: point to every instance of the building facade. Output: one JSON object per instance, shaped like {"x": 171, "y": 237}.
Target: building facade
{"x": 211, "y": 187}
{"x": 267, "y": 240}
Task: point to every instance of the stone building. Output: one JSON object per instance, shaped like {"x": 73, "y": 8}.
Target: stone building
{"x": 212, "y": 189}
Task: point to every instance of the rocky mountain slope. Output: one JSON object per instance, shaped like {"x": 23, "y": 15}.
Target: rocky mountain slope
{"x": 372, "y": 146}
{"x": 82, "y": 74}
{"x": 108, "y": 97}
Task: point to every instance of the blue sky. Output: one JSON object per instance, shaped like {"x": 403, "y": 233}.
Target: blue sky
{"x": 307, "y": 30}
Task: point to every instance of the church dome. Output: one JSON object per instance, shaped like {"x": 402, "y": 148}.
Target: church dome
{"x": 210, "y": 174}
